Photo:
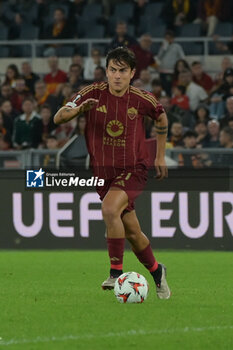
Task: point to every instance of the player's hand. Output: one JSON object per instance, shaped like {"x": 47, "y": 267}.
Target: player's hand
{"x": 87, "y": 105}
{"x": 161, "y": 168}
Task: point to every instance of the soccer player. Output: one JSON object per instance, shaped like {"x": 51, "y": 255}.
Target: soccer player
{"x": 114, "y": 112}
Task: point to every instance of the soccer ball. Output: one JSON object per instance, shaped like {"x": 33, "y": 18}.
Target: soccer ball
{"x": 131, "y": 287}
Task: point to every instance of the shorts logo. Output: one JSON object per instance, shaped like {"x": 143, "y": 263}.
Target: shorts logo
{"x": 115, "y": 128}
{"x": 132, "y": 113}
{"x": 35, "y": 178}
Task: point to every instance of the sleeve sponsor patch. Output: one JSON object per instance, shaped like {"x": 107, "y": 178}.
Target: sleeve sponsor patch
{"x": 71, "y": 104}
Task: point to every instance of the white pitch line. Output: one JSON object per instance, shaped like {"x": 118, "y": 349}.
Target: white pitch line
{"x": 135, "y": 332}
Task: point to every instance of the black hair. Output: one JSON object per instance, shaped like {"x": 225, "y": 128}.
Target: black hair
{"x": 229, "y": 131}
{"x": 15, "y": 70}
{"x": 176, "y": 72}
{"x": 60, "y": 9}
{"x": 185, "y": 70}
{"x": 230, "y": 119}
{"x": 28, "y": 98}
{"x": 201, "y": 122}
{"x": 190, "y": 133}
{"x": 170, "y": 33}
{"x": 195, "y": 63}
{"x": 181, "y": 88}
{"x": 207, "y": 115}
{"x": 121, "y": 22}
{"x": 156, "y": 82}
{"x": 121, "y": 55}
{"x": 45, "y": 106}
{"x": 100, "y": 68}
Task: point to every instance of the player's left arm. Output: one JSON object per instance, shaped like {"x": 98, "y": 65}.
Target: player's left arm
{"x": 161, "y": 125}
{"x": 156, "y": 111}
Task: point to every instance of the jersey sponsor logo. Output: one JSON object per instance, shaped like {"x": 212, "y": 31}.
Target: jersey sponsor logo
{"x": 102, "y": 109}
{"x": 132, "y": 113}
{"x": 110, "y": 141}
{"x": 114, "y": 128}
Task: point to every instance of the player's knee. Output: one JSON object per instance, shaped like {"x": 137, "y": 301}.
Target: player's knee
{"x": 131, "y": 236}
{"x": 109, "y": 212}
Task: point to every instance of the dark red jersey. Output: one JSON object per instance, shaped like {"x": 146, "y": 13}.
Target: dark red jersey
{"x": 115, "y": 132}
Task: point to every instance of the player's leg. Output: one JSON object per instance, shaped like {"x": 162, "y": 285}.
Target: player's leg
{"x": 139, "y": 242}
{"x": 114, "y": 203}
{"x": 142, "y": 249}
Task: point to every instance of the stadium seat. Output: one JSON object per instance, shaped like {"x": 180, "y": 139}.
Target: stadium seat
{"x": 190, "y": 30}
{"x": 155, "y": 48}
{"x": 4, "y": 51}
{"x": 143, "y": 24}
{"x": 92, "y": 12}
{"x": 123, "y": 11}
{"x": 28, "y": 31}
{"x": 3, "y": 32}
{"x": 54, "y": 6}
{"x": 147, "y": 24}
{"x": 157, "y": 31}
{"x": 83, "y": 26}
{"x": 131, "y": 30}
{"x": 24, "y": 51}
{"x": 192, "y": 48}
{"x": 154, "y": 9}
{"x": 213, "y": 49}
{"x": 31, "y": 14}
{"x": 65, "y": 51}
{"x": 81, "y": 49}
{"x": 95, "y": 32}
{"x": 224, "y": 29}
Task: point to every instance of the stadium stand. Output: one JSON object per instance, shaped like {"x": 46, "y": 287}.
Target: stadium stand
{"x": 3, "y": 32}
{"x": 24, "y": 34}
{"x": 189, "y": 30}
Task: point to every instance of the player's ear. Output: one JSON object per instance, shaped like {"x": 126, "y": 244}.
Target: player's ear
{"x": 132, "y": 73}
{"x": 106, "y": 71}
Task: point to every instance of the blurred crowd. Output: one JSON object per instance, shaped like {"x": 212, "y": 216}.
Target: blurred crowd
{"x": 59, "y": 19}
{"x": 199, "y": 105}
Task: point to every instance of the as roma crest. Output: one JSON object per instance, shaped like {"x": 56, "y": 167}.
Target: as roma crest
{"x": 132, "y": 113}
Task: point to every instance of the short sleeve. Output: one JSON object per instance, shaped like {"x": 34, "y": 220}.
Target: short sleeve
{"x": 81, "y": 96}
{"x": 153, "y": 108}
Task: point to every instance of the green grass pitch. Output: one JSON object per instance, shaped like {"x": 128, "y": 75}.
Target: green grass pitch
{"x": 53, "y": 301}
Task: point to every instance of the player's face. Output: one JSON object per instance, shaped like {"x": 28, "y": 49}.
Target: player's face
{"x": 119, "y": 76}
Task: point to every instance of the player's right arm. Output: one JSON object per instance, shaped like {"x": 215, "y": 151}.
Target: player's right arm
{"x": 71, "y": 110}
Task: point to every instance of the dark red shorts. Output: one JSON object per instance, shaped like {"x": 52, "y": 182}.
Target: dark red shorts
{"x": 133, "y": 183}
